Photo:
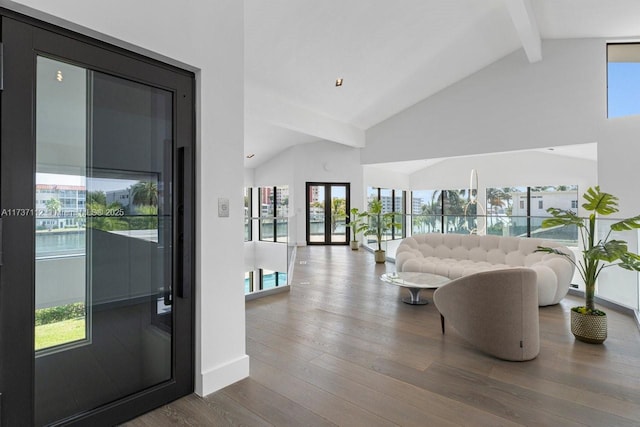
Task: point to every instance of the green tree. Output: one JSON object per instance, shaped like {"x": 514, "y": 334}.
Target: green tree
{"x": 495, "y": 199}
{"x": 54, "y": 206}
{"x": 428, "y": 218}
{"x": 454, "y": 202}
{"x": 338, "y": 212}
{"x": 146, "y": 218}
{"x": 379, "y": 222}
{"x": 98, "y": 197}
{"x": 144, "y": 193}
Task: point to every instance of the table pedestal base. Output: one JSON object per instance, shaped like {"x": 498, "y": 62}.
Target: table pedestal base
{"x": 415, "y": 297}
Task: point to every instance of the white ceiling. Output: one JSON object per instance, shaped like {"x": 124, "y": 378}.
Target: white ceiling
{"x": 391, "y": 55}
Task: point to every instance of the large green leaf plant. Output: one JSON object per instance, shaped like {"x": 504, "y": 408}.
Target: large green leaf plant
{"x": 357, "y": 222}
{"x": 597, "y": 254}
{"x": 379, "y": 222}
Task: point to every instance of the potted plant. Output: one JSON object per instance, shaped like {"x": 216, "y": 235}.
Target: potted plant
{"x": 589, "y": 324}
{"x": 379, "y": 223}
{"x": 357, "y": 224}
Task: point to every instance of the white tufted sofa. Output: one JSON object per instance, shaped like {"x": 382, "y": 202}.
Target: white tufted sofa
{"x": 457, "y": 255}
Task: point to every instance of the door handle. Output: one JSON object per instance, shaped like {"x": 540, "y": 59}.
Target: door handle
{"x": 185, "y": 215}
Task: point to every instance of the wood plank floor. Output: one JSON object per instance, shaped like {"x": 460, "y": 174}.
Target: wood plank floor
{"x": 341, "y": 349}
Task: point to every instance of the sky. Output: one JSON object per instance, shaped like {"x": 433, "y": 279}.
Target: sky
{"x": 624, "y": 88}
{"x": 103, "y": 184}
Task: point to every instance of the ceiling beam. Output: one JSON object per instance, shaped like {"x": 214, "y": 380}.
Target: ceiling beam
{"x": 527, "y": 27}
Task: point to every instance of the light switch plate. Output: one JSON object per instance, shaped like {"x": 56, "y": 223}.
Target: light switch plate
{"x": 223, "y": 207}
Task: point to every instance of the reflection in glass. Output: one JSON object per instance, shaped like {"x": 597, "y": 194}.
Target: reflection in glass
{"x": 316, "y": 213}
{"x": 247, "y": 214}
{"x": 338, "y": 212}
{"x": 282, "y": 212}
{"x": 103, "y": 239}
{"x": 557, "y": 196}
{"x": 60, "y": 194}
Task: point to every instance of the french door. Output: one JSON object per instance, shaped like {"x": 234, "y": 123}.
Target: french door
{"x": 327, "y": 205}
{"x": 96, "y": 196}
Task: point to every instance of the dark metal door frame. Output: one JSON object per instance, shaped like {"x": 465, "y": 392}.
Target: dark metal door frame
{"x": 22, "y": 39}
{"x": 327, "y": 212}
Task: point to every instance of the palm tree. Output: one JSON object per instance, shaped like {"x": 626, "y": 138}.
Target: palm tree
{"x": 453, "y": 204}
{"x": 427, "y": 220}
{"x": 495, "y": 199}
{"x": 98, "y": 197}
{"x": 54, "y": 206}
{"x": 144, "y": 193}
{"x": 338, "y": 212}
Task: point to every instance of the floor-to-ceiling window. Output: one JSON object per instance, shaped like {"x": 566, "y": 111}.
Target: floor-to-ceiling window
{"x": 519, "y": 211}
{"x": 426, "y": 212}
{"x": 274, "y": 211}
{"x": 267, "y": 256}
{"x": 392, "y": 200}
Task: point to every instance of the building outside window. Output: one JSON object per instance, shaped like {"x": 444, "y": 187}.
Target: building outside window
{"x": 507, "y": 213}
{"x": 426, "y": 212}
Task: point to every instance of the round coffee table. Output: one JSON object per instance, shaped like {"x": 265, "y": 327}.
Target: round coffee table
{"x": 415, "y": 282}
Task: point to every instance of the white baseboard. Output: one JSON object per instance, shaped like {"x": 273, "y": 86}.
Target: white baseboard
{"x": 222, "y": 376}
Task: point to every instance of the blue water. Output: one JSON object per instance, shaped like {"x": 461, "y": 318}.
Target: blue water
{"x": 268, "y": 282}
{"x": 51, "y": 243}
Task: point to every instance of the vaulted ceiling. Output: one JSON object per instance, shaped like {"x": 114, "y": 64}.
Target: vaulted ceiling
{"x": 391, "y": 55}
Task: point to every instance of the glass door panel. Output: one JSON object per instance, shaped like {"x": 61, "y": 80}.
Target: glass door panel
{"x": 338, "y": 212}
{"x": 316, "y": 196}
{"x": 61, "y": 315}
{"x": 103, "y": 239}
{"x": 327, "y": 205}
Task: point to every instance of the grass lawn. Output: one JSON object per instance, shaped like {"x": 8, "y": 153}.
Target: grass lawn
{"x": 58, "y": 333}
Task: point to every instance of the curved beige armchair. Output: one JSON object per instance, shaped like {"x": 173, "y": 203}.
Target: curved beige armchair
{"x": 496, "y": 311}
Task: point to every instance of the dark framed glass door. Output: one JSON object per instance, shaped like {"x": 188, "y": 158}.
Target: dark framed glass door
{"x": 327, "y": 205}
{"x": 96, "y": 196}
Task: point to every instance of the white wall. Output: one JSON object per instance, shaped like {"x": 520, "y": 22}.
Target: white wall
{"x": 618, "y": 153}
{"x": 209, "y": 37}
{"x": 320, "y": 161}
{"x": 509, "y": 105}
{"x": 249, "y": 177}
{"x": 277, "y": 171}
{"x": 325, "y": 162}
{"x": 378, "y": 177}
{"x": 515, "y": 105}
{"x": 507, "y": 170}
{"x": 266, "y": 255}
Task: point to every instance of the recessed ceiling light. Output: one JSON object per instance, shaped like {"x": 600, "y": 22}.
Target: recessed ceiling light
{"x": 59, "y": 76}
{"x": 250, "y": 156}
{"x": 338, "y": 82}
